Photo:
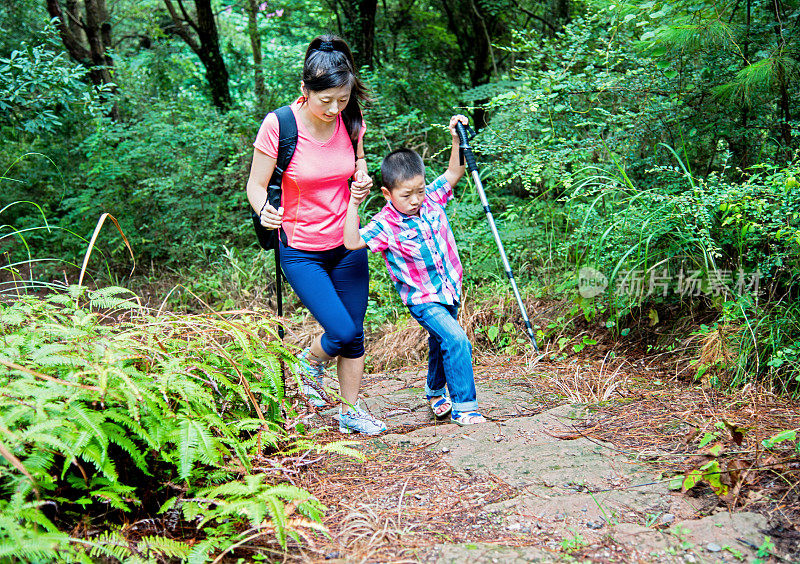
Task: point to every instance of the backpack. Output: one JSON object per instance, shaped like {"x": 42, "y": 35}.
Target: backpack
{"x": 268, "y": 238}
{"x": 287, "y": 141}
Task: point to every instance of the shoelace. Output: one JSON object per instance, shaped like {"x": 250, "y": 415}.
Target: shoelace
{"x": 317, "y": 368}
{"x": 367, "y": 416}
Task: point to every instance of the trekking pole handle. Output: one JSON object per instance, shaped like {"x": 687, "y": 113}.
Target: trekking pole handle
{"x": 466, "y": 150}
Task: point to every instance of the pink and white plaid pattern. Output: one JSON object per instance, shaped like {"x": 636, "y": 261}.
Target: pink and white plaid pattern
{"x": 419, "y": 251}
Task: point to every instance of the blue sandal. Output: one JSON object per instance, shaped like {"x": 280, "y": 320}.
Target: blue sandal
{"x": 467, "y": 418}
{"x": 440, "y": 405}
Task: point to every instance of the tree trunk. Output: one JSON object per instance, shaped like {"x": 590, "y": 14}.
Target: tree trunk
{"x": 784, "y": 112}
{"x": 560, "y": 10}
{"x": 359, "y": 29}
{"x": 86, "y": 37}
{"x": 205, "y": 43}
{"x": 255, "y": 44}
{"x": 744, "y": 158}
{"x": 475, "y": 32}
{"x": 783, "y": 107}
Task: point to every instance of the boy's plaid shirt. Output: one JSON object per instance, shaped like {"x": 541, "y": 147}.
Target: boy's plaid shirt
{"x": 420, "y": 251}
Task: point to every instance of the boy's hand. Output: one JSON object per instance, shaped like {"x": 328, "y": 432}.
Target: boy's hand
{"x": 452, "y": 127}
{"x": 359, "y": 188}
{"x": 455, "y": 169}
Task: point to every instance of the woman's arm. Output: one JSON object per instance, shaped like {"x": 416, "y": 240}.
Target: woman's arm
{"x": 361, "y": 160}
{"x": 260, "y": 174}
{"x": 364, "y": 180}
{"x": 352, "y": 238}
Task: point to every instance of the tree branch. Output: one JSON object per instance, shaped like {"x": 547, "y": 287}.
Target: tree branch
{"x": 71, "y": 42}
{"x": 536, "y": 17}
{"x": 180, "y": 27}
{"x": 187, "y": 17}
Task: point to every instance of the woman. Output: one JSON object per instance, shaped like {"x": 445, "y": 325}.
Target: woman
{"x": 331, "y": 281}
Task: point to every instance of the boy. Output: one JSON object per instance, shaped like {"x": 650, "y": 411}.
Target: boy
{"x": 414, "y": 236}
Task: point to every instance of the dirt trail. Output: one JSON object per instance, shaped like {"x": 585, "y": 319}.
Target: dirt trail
{"x": 529, "y": 486}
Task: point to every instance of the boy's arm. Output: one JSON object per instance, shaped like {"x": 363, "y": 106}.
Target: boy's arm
{"x": 359, "y": 190}
{"x": 455, "y": 170}
{"x": 352, "y": 238}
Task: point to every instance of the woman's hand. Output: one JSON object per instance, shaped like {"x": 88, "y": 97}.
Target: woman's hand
{"x": 359, "y": 188}
{"x": 270, "y": 217}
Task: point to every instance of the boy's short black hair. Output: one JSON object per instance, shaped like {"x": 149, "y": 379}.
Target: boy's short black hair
{"x": 401, "y": 165}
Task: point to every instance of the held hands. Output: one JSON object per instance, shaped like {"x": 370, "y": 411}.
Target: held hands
{"x": 452, "y": 127}
{"x": 359, "y": 188}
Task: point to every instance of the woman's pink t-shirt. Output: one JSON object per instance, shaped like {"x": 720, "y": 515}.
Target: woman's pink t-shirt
{"x": 315, "y": 191}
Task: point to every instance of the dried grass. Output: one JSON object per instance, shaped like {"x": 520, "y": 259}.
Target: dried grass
{"x": 590, "y": 385}
{"x": 366, "y": 532}
{"x": 398, "y": 345}
{"x": 718, "y": 354}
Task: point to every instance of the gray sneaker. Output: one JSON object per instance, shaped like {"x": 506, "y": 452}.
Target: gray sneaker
{"x": 358, "y": 420}
{"x": 312, "y": 373}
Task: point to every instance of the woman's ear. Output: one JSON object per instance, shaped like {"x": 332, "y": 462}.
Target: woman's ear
{"x": 303, "y": 91}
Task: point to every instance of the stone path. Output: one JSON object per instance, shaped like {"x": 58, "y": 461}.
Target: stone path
{"x": 576, "y": 492}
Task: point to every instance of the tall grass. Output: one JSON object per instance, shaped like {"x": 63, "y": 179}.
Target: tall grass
{"x": 700, "y": 243}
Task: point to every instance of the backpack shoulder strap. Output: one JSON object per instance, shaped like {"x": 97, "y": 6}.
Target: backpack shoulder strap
{"x": 287, "y": 142}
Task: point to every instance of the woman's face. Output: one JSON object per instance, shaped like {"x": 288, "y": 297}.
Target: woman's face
{"x": 327, "y": 104}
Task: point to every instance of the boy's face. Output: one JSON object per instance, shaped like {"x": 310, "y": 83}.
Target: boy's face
{"x": 408, "y": 195}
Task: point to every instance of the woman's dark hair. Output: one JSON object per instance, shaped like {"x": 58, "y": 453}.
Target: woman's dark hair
{"x": 401, "y": 165}
{"x": 329, "y": 64}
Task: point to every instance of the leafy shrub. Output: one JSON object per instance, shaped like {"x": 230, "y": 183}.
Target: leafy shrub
{"x": 731, "y": 245}
{"x": 108, "y": 410}
{"x": 39, "y": 85}
{"x": 174, "y": 179}
{"x": 577, "y": 99}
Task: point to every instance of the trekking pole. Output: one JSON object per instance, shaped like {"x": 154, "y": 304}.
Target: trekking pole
{"x": 279, "y": 288}
{"x": 274, "y": 199}
{"x": 466, "y": 154}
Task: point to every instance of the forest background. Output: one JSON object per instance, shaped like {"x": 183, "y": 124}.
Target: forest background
{"x": 640, "y": 158}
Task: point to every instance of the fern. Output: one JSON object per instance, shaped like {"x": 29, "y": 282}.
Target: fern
{"x": 107, "y": 298}
{"x": 116, "y": 408}
{"x": 163, "y": 547}
{"x": 110, "y": 544}
{"x": 200, "y": 552}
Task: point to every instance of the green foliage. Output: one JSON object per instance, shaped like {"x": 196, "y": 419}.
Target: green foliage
{"x": 573, "y": 543}
{"x": 571, "y": 101}
{"x": 786, "y": 436}
{"x": 38, "y": 85}
{"x": 765, "y": 551}
{"x": 625, "y": 140}
{"x": 258, "y": 502}
{"x": 178, "y": 196}
{"x": 714, "y": 465}
{"x": 585, "y": 123}
{"x": 715, "y": 239}
{"x": 97, "y": 417}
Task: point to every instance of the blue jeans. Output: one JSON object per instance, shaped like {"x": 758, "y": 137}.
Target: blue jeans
{"x": 450, "y": 355}
{"x": 333, "y": 285}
